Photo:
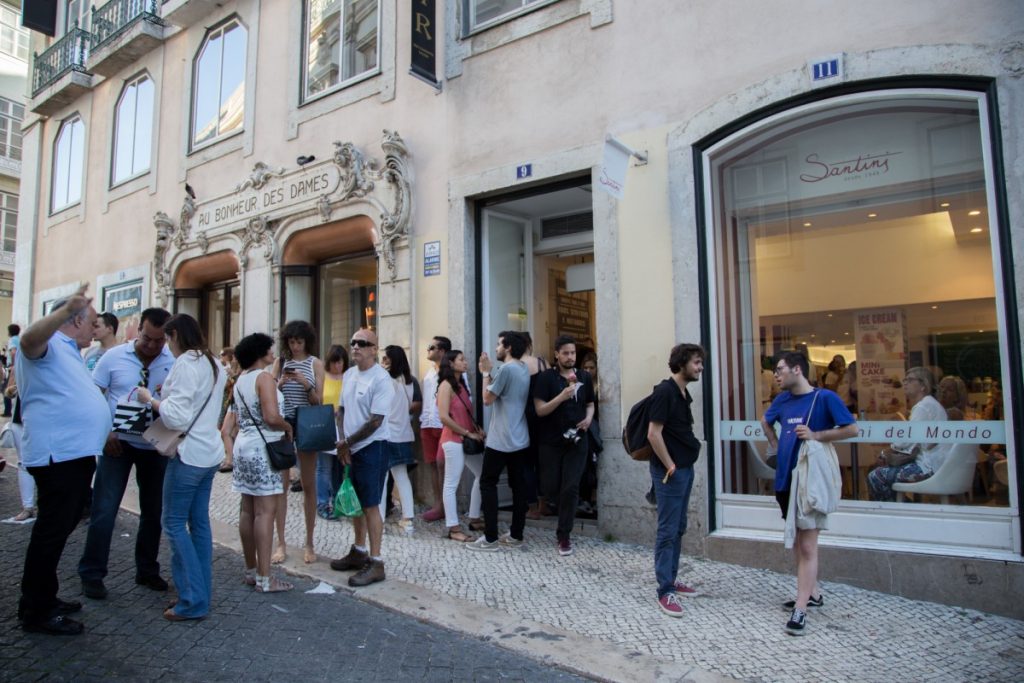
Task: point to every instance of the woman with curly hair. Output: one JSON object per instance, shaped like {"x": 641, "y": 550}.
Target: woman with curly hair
{"x": 300, "y": 377}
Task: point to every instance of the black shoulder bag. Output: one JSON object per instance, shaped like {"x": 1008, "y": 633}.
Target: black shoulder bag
{"x": 281, "y": 453}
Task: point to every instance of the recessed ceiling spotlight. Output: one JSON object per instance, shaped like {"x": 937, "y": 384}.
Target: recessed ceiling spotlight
{"x": 812, "y": 336}
{"x": 944, "y": 205}
{"x": 980, "y": 331}
{"x": 807, "y": 224}
{"x": 872, "y": 215}
{"x": 846, "y": 334}
{"x": 830, "y": 315}
{"x": 976, "y": 212}
{"x": 934, "y": 307}
{"x": 832, "y": 342}
{"x": 976, "y": 230}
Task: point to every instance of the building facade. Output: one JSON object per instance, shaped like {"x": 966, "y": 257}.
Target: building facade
{"x": 836, "y": 179}
{"x": 14, "y": 54}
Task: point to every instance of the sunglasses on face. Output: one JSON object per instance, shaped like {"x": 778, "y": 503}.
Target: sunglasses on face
{"x": 360, "y": 343}
{"x": 431, "y": 347}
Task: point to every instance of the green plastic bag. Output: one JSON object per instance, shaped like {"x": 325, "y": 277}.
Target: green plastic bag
{"x": 346, "y": 503}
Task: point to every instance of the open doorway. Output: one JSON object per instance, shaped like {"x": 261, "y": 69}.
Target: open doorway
{"x": 536, "y": 265}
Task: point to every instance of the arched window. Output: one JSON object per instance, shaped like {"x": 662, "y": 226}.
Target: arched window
{"x": 133, "y": 130}
{"x": 68, "y": 155}
{"x": 218, "y": 91}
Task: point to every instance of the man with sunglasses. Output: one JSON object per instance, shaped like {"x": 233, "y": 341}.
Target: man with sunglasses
{"x": 142, "y": 362}
{"x": 366, "y": 395}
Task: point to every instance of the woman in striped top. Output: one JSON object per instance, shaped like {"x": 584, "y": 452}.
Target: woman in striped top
{"x": 300, "y": 377}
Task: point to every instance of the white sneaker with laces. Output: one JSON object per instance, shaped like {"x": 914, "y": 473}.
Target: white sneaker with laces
{"x": 482, "y": 544}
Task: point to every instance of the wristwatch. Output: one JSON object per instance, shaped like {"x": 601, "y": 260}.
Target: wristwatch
{"x": 486, "y": 375}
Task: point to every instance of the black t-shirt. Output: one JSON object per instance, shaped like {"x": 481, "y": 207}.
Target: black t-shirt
{"x": 671, "y": 408}
{"x": 549, "y": 384}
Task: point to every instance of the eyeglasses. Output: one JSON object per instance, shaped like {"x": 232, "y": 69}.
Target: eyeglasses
{"x": 361, "y": 343}
{"x": 779, "y": 370}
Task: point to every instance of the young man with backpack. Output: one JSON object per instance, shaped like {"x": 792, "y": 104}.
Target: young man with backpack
{"x": 674, "y": 450}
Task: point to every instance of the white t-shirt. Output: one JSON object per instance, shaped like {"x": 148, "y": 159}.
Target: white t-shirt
{"x": 399, "y": 422}
{"x": 429, "y": 418}
{"x": 366, "y": 393}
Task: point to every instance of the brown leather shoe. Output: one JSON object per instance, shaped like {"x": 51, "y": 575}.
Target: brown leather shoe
{"x": 356, "y": 559}
{"x": 371, "y": 573}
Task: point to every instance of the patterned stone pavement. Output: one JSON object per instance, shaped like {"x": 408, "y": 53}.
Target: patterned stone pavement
{"x": 734, "y": 628}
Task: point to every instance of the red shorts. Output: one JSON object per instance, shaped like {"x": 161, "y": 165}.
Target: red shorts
{"x": 429, "y": 438}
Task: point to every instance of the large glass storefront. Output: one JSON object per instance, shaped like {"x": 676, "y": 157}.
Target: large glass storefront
{"x": 862, "y": 232}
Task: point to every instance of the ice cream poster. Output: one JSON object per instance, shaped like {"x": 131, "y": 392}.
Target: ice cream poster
{"x": 881, "y": 338}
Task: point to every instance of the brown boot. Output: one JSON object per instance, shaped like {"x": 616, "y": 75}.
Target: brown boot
{"x": 356, "y": 559}
{"x": 371, "y": 573}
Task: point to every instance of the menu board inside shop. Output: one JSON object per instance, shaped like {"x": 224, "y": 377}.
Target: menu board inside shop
{"x": 572, "y": 312}
{"x": 881, "y": 339}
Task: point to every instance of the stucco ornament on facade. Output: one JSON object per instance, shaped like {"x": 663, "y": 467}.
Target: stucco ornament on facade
{"x": 251, "y": 213}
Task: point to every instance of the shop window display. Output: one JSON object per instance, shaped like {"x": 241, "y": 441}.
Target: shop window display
{"x": 861, "y": 233}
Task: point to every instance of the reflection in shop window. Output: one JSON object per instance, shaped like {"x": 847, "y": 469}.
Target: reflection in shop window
{"x": 341, "y": 42}
{"x": 860, "y": 235}
{"x": 480, "y": 13}
{"x": 348, "y": 299}
{"x": 133, "y": 129}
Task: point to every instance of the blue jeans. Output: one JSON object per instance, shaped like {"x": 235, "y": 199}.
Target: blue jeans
{"x": 186, "y": 521}
{"x": 673, "y": 499}
{"x": 112, "y": 474}
{"x": 328, "y": 479}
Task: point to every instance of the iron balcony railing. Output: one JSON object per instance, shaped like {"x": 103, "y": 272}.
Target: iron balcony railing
{"x": 67, "y": 54}
{"x": 117, "y": 16}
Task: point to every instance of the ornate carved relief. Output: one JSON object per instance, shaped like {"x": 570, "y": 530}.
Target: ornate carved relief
{"x": 268, "y": 195}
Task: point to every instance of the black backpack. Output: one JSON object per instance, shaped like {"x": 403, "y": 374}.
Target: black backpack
{"x": 634, "y": 433}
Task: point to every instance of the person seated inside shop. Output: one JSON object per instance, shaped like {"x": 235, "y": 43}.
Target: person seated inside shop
{"x": 953, "y": 397}
{"x": 908, "y": 462}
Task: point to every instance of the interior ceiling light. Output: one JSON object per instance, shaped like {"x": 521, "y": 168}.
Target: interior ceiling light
{"x": 832, "y": 342}
{"x": 846, "y": 334}
{"x": 934, "y": 307}
{"x": 976, "y": 212}
{"x": 944, "y": 205}
{"x": 872, "y": 215}
{"x": 807, "y": 224}
{"x": 830, "y": 315}
{"x": 976, "y": 230}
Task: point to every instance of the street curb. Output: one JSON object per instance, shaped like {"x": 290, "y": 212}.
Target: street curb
{"x": 596, "y": 659}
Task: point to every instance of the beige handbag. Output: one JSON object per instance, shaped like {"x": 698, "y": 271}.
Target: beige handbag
{"x": 166, "y": 440}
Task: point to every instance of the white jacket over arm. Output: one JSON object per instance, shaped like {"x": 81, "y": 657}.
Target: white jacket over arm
{"x": 188, "y": 385}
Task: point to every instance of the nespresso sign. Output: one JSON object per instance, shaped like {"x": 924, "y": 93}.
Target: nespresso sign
{"x": 424, "y": 42}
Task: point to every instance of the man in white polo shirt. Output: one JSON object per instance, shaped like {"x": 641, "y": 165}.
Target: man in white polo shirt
{"x": 66, "y": 423}
{"x": 142, "y": 362}
{"x": 366, "y": 395}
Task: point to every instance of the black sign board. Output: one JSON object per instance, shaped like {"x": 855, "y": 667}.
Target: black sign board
{"x": 424, "y": 42}
{"x": 40, "y": 15}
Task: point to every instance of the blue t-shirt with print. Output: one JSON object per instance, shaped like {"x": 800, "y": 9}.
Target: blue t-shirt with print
{"x": 790, "y": 411}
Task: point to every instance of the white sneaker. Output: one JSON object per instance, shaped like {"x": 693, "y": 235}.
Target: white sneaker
{"x": 506, "y": 539}
{"x": 407, "y": 527}
{"x": 483, "y": 545}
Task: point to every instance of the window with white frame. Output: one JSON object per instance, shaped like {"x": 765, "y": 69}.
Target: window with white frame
{"x": 341, "y": 42}
{"x": 8, "y": 222}
{"x": 13, "y": 38}
{"x": 11, "y": 115}
{"x": 482, "y": 13}
{"x": 133, "y": 130}
{"x": 68, "y": 169}
{"x": 218, "y": 91}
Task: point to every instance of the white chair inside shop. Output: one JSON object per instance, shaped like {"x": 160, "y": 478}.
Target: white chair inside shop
{"x": 758, "y": 467}
{"x": 954, "y": 477}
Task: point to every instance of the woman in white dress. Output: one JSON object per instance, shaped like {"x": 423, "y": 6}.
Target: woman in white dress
{"x": 257, "y": 404}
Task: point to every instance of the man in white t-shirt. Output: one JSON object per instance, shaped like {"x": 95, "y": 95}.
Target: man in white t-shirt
{"x": 366, "y": 396}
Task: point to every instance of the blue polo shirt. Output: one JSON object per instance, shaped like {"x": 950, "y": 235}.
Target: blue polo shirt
{"x": 119, "y": 372}
{"x": 65, "y": 417}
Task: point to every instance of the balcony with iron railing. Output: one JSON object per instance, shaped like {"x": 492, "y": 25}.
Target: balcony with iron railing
{"x": 59, "y": 73}
{"x": 122, "y": 32}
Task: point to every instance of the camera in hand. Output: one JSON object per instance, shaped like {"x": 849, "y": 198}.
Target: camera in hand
{"x": 572, "y": 436}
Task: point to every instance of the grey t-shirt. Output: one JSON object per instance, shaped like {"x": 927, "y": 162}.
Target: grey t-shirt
{"x": 507, "y": 432}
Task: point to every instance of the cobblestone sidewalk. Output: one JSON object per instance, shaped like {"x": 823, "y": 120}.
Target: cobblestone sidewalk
{"x": 605, "y": 592}
{"x": 282, "y": 637}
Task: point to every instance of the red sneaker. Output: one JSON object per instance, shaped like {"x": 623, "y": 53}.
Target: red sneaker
{"x": 671, "y": 605}
{"x": 684, "y": 591}
{"x": 433, "y": 515}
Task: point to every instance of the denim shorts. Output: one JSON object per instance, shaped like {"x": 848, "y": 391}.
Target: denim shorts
{"x": 399, "y": 453}
{"x": 369, "y": 468}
